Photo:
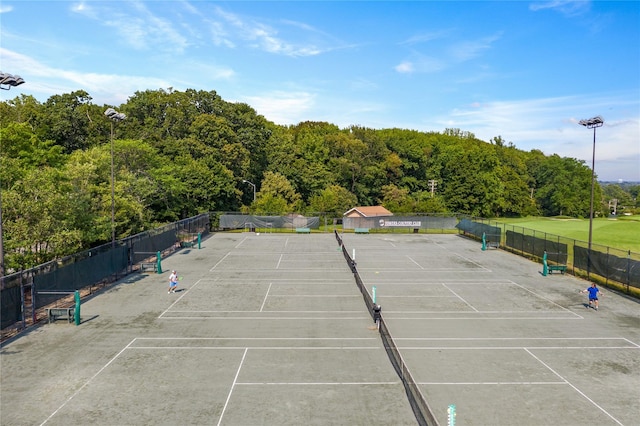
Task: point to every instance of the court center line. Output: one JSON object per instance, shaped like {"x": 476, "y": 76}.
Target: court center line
{"x": 279, "y": 260}
{"x": 574, "y": 388}
{"x": 315, "y": 383}
{"x": 545, "y": 298}
{"x": 240, "y": 243}
{"x": 459, "y": 297}
{"x": 265, "y": 297}
{"x": 419, "y": 266}
{"x": 235, "y": 380}
{"x": 219, "y": 262}
{"x": 87, "y": 382}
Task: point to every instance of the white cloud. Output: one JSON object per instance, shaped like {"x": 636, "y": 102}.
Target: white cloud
{"x": 5, "y": 8}
{"x": 262, "y": 36}
{"x": 281, "y": 107}
{"x": 467, "y": 50}
{"x": 551, "y": 125}
{"x": 566, "y": 7}
{"x": 138, "y": 27}
{"x": 405, "y": 67}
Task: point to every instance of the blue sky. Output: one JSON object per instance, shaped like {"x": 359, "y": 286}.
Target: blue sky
{"x": 527, "y": 71}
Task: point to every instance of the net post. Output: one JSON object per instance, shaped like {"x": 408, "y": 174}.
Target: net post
{"x": 199, "y": 239}
{"x": 76, "y": 314}
{"x": 159, "y": 262}
{"x": 545, "y": 266}
{"x": 484, "y": 241}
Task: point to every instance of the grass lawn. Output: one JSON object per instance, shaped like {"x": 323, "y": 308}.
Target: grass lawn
{"x": 622, "y": 233}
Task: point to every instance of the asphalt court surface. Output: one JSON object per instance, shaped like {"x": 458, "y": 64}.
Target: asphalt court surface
{"x": 486, "y": 332}
{"x": 271, "y": 329}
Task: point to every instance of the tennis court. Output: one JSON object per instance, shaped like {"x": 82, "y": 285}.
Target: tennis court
{"x": 270, "y": 329}
{"x": 486, "y": 332}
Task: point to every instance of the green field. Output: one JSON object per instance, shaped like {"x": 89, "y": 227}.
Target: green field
{"x": 622, "y": 233}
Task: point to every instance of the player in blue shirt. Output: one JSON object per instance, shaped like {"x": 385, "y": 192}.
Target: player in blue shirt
{"x": 593, "y": 295}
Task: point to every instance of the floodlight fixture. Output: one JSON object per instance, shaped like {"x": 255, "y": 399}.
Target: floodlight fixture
{"x": 114, "y": 116}
{"x": 592, "y": 123}
{"x": 254, "y": 187}
{"x": 7, "y": 81}
{"x": 10, "y": 80}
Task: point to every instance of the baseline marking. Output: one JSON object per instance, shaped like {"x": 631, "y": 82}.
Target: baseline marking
{"x": 265, "y": 297}
{"x": 419, "y": 266}
{"x": 87, "y": 382}
{"x": 219, "y": 261}
{"x": 575, "y": 388}
{"x": 460, "y": 297}
{"x": 235, "y": 380}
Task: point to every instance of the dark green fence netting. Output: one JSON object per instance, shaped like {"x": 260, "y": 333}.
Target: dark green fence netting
{"x": 556, "y": 252}
{"x": 621, "y": 269}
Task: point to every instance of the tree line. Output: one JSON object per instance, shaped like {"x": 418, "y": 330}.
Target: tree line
{"x": 182, "y": 153}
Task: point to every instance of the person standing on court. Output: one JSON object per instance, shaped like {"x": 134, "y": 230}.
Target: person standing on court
{"x": 593, "y": 295}
{"x": 173, "y": 282}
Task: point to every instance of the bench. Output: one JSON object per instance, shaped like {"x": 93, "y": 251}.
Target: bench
{"x": 303, "y": 230}
{"x": 561, "y": 268}
{"x": 55, "y": 313}
{"x": 187, "y": 244}
{"x": 494, "y": 244}
{"x": 149, "y": 266}
{"x": 361, "y": 230}
{"x": 559, "y": 263}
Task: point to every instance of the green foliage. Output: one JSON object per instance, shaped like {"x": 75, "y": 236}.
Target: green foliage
{"x": 179, "y": 154}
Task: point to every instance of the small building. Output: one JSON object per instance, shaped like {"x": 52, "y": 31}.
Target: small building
{"x": 368, "y": 211}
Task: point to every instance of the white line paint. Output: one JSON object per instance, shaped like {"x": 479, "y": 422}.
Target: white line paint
{"x": 545, "y": 298}
{"x": 411, "y": 259}
{"x": 265, "y": 297}
{"x": 316, "y": 383}
{"x": 87, "y": 382}
{"x": 235, "y": 380}
{"x": 279, "y": 260}
{"x": 460, "y": 297}
{"x": 574, "y": 388}
{"x": 219, "y": 261}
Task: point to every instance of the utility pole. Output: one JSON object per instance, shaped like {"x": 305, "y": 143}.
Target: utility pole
{"x": 432, "y": 185}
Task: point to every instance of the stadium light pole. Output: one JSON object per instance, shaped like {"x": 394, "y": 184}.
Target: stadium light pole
{"x": 7, "y": 81}
{"x": 592, "y": 123}
{"x": 254, "y": 188}
{"x": 114, "y": 116}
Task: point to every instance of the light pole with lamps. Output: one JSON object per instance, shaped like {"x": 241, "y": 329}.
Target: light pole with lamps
{"x": 114, "y": 116}
{"x": 7, "y": 81}
{"x": 254, "y": 188}
{"x": 592, "y": 123}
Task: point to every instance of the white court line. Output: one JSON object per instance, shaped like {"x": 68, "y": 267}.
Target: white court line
{"x": 257, "y": 338}
{"x": 420, "y": 266}
{"x": 478, "y": 318}
{"x": 279, "y": 260}
{"x": 235, "y": 380}
{"x": 317, "y": 383}
{"x": 271, "y": 312}
{"x": 574, "y": 388}
{"x": 633, "y": 343}
{"x": 265, "y": 297}
{"x": 87, "y": 382}
{"x": 460, "y": 297}
{"x": 263, "y": 319}
{"x": 280, "y": 348}
{"x": 546, "y": 298}
{"x": 474, "y": 262}
{"x": 240, "y": 243}
{"x": 491, "y": 383}
{"x": 317, "y": 295}
{"x": 219, "y": 261}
